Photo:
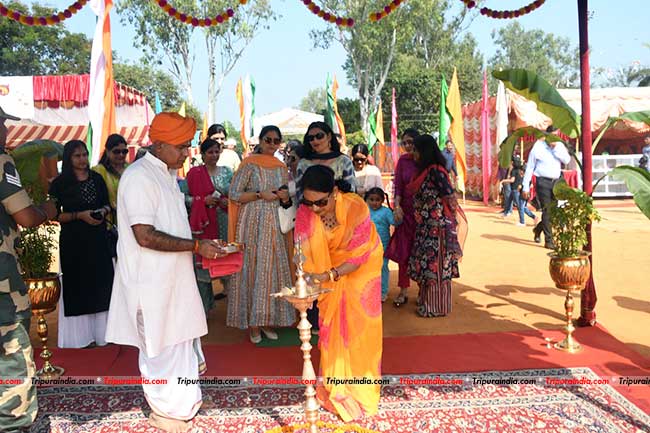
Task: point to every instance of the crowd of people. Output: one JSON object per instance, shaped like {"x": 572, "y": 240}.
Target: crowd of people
{"x": 134, "y": 238}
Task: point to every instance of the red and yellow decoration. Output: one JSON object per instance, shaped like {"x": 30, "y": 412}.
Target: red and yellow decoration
{"x": 42, "y": 21}
{"x": 326, "y": 16}
{"x": 194, "y": 21}
{"x": 505, "y": 14}
{"x": 376, "y": 16}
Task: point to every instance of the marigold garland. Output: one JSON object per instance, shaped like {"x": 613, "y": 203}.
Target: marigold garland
{"x": 376, "y": 16}
{"x": 195, "y": 21}
{"x": 329, "y": 17}
{"x": 335, "y": 428}
{"x": 516, "y": 13}
{"x": 43, "y": 21}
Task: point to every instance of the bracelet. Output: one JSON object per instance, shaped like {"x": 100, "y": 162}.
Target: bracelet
{"x": 335, "y": 271}
{"x": 195, "y": 249}
{"x": 331, "y": 275}
{"x": 258, "y": 195}
{"x": 74, "y": 216}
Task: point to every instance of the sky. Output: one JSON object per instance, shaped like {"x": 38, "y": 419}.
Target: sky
{"x": 285, "y": 66}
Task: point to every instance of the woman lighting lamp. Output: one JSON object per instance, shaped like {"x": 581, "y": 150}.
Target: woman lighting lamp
{"x": 344, "y": 253}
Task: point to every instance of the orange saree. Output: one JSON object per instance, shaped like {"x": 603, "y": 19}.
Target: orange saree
{"x": 350, "y": 338}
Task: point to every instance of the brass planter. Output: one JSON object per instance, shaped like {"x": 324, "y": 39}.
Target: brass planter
{"x": 570, "y": 274}
{"x": 44, "y": 294}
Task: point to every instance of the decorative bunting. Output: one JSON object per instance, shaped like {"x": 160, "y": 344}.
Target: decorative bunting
{"x": 194, "y": 21}
{"x": 326, "y": 16}
{"x": 376, "y": 16}
{"x": 53, "y": 19}
{"x": 505, "y": 14}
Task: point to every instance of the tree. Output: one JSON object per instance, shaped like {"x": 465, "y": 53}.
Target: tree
{"x": 163, "y": 37}
{"x": 349, "y": 111}
{"x": 371, "y": 47}
{"x": 315, "y": 101}
{"x": 150, "y": 81}
{"x": 225, "y": 44}
{"x": 41, "y": 50}
{"x": 438, "y": 44}
{"x": 552, "y": 57}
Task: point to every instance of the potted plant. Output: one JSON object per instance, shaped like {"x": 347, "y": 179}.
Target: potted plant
{"x": 36, "y": 164}
{"x": 570, "y": 266}
{"x": 569, "y": 217}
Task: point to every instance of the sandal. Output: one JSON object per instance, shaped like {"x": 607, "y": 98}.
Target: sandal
{"x": 400, "y": 300}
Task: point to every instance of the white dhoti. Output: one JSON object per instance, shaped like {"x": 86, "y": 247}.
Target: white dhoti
{"x": 184, "y": 360}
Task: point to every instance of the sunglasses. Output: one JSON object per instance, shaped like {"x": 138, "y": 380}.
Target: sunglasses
{"x": 318, "y": 136}
{"x": 360, "y": 159}
{"x": 120, "y": 151}
{"x": 318, "y": 203}
{"x": 269, "y": 140}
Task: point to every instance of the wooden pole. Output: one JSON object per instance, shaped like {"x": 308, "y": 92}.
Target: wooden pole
{"x": 588, "y": 296}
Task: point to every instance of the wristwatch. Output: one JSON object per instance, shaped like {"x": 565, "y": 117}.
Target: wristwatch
{"x": 258, "y": 195}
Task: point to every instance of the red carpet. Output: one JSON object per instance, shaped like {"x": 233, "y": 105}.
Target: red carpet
{"x": 602, "y": 353}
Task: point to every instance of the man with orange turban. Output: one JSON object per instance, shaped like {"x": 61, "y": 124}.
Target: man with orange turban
{"x": 155, "y": 274}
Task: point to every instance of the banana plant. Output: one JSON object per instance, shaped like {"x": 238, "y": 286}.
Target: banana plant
{"x": 36, "y": 164}
{"x": 549, "y": 102}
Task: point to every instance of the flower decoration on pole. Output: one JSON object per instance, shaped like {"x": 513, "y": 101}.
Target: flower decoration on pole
{"x": 505, "y": 14}
{"x": 195, "y": 21}
{"x": 53, "y": 19}
{"x": 327, "y": 16}
{"x": 376, "y": 16}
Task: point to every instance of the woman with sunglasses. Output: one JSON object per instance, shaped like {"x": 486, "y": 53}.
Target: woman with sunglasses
{"x": 323, "y": 148}
{"x": 399, "y": 247}
{"x": 367, "y": 175}
{"x": 258, "y": 188}
{"x": 111, "y": 166}
{"x": 208, "y": 186}
{"x": 343, "y": 252}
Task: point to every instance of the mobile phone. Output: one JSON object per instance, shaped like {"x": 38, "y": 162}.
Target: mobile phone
{"x": 96, "y": 215}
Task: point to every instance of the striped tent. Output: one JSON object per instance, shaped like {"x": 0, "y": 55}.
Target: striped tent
{"x": 60, "y": 112}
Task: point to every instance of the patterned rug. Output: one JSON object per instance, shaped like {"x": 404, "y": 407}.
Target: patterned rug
{"x": 465, "y": 406}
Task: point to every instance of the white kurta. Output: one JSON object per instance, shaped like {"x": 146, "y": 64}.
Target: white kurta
{"x": 159, "y": 284}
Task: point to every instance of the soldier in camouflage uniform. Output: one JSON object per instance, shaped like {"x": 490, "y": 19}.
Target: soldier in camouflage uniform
{"x": 18, "y": 405}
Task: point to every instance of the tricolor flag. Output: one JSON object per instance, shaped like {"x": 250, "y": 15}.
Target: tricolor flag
{"x": 333, "y": 118}
{"x": 456, "y": 130}
{"x": 101, "y": 96}
{"x": 445, "y": 120}
{"x": 246, "y": 100}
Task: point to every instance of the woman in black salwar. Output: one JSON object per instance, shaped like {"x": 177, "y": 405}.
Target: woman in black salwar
{"x": 86, "y": 260}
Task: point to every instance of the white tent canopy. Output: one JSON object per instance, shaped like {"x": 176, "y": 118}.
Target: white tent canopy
{"x": 290, "y": 121}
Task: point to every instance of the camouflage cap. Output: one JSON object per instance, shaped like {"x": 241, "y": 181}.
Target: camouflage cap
{"x": 4, "y": 115}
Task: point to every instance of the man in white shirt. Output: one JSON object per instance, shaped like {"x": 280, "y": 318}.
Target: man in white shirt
{"x": 155, "y": 304}
{"x": 545, "y": 162}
